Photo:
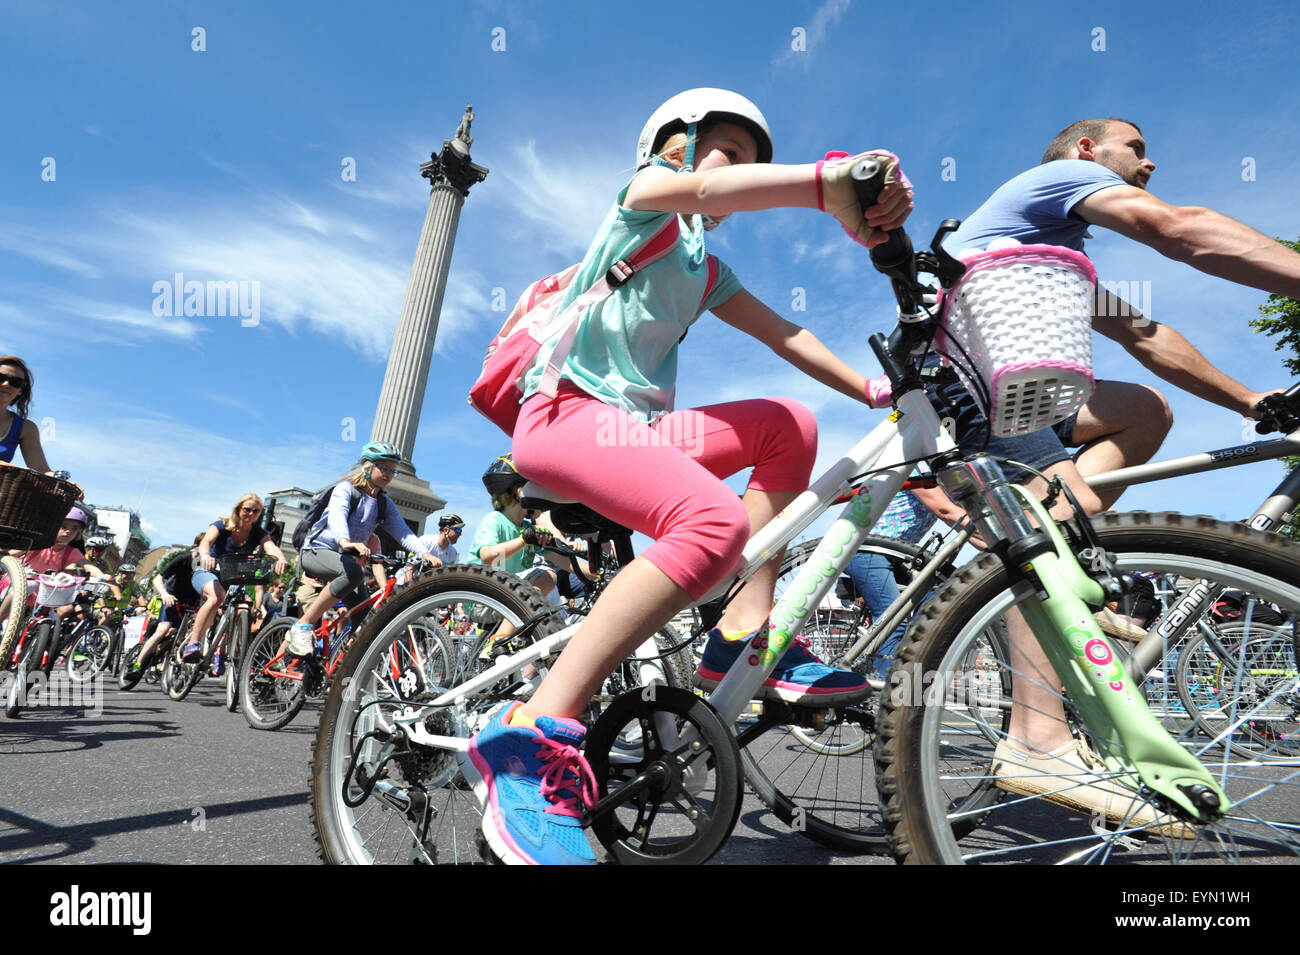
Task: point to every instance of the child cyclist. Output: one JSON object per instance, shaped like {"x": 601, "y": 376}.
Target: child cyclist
{"x": 356, "y": 508}
{"x": 703, "y": 155}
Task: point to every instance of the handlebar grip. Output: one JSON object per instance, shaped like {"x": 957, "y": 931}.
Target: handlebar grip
{"x": 868, "y": 178}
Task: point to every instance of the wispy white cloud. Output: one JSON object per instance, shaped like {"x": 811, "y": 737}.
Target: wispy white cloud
{"x": 824, "y": 17}
{"x": 559, "y": 200}
{"x": 47, "y": 250}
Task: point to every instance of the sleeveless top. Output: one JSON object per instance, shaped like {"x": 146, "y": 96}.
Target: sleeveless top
{"x": 9, "y": 443}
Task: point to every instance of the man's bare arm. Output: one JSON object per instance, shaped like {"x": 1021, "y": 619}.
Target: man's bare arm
{"x": 1166, "y": 353}
{"x": 1203, "y": 238}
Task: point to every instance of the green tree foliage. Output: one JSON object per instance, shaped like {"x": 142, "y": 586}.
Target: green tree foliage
{"x": 1279, "y": 318}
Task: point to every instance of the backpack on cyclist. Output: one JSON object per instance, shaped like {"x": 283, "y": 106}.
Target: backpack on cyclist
{"x": 537, "y": 316}
{"x": 318, "y": 505}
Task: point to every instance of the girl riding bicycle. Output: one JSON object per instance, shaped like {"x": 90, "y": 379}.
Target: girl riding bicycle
{"x": 703, "y": 155}
{"x": 356, "y": 508}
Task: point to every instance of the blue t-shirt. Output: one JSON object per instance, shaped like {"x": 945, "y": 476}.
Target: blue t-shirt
{"x": 625, "y": 352}
{"x": 1034, "y": 207}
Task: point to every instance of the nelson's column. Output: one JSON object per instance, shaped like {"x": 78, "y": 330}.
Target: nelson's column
{"x": 450, "y": 174}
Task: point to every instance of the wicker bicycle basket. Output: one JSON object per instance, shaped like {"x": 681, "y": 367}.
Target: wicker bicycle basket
{"x": 32, "y": 507}
{"x": 1024, "y": 316}
{"x": 239, "y": 569}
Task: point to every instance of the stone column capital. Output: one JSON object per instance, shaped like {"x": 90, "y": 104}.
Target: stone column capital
{"x": 453, "y": 167}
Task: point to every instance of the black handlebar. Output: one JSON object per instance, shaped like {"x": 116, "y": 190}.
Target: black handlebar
{"x": 1279, "y": 412}
{"x": 895, "y": 257}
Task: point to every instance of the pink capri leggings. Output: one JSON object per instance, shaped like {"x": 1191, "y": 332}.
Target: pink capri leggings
{"x": 663, "y": 480}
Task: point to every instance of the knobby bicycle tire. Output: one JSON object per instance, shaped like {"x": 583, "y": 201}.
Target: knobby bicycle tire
{"x": 937, "y": 745}
{"x": 406, "y": 634}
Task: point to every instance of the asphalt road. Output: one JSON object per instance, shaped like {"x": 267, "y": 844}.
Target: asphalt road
{"x": 148, "y": 780}
{"x": 137, "y": 778}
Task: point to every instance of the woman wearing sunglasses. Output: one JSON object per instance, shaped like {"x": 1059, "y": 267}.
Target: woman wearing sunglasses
{"x": 17, "y": 430}
{"x": 237, "y": 534}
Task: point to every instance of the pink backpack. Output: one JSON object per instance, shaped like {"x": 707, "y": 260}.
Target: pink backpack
{"x": 537, "y": 316}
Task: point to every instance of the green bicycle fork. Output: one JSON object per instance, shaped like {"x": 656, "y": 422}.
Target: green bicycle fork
{"x": 1129, "y": 739}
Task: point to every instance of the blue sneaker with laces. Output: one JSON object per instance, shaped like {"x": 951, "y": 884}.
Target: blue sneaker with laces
{"x": 532, "y": 783}
{"x": 799, "y": 677}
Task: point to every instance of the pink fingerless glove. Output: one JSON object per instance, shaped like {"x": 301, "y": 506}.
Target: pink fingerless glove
{"x": 879, "y": 392}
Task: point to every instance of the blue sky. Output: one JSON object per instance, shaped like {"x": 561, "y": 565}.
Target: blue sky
{"x": 226, "y": 165}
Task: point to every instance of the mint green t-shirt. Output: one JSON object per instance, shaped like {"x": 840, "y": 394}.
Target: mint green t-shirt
{"x": 625, "y": 352}
{"x": 496, "y": 528}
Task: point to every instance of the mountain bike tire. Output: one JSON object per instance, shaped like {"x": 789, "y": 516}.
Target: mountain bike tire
{"x": 364, "y": 693}
{"x": 933, "y": 751}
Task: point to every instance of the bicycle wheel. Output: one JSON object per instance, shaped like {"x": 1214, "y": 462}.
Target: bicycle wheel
{"x": 376, "y": 801}
{"x": 127, "y": 678}
{"x": 1247, "y": 697}
{"x": 89, "y": 654}
{"x": 936, "y": 748}
{"x": 235, "y": 645}
{"x": 271, "y": 690}
{"x": 816, "y": 774}
{"x": 38, "y": 638}
{"x": 179, "y": 677}
{"x": 13, "y": 581}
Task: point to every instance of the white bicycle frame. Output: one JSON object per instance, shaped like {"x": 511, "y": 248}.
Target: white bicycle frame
{"x": 911, "y": 433}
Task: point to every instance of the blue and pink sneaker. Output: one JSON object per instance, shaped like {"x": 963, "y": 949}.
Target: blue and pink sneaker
{"x": 532, "y": 784}
{"x": 799, "y": 677}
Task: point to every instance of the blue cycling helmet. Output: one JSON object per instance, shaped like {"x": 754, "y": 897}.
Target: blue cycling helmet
{"x": 381, "y": 451}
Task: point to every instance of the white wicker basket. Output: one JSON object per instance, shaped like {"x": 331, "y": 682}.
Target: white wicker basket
{"x": 1024, "y": 316}
{"x": 57, "y": 590}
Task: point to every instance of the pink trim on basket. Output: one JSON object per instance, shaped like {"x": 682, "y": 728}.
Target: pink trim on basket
{"x": 1068, "y": 366}
{"x": 1029, "y": 254}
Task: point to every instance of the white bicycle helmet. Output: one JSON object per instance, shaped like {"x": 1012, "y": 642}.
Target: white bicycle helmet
{"x": 687, "y": 110}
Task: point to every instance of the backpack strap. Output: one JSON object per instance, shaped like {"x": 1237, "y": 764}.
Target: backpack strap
{"x": 660, "y": 244}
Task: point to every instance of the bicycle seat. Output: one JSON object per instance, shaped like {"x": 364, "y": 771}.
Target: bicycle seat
{"x": 570, "y": 516}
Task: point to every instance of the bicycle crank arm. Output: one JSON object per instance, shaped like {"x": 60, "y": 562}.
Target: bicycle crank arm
{"x": 654, "y": 777}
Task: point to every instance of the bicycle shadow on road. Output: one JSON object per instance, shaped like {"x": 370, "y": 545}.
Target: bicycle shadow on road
{"x": 24, "y": 839}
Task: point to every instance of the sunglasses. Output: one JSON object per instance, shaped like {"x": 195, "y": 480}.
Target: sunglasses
{"x": 14, "y": 382}
{"x": 250, "y": 510}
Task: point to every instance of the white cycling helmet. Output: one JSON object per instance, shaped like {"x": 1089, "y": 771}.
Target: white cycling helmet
{"x": 686, "y": 110}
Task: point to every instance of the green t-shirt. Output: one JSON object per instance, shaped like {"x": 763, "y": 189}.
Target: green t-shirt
{"x": 496, "y": 528}
{"x": 625, "y": 352}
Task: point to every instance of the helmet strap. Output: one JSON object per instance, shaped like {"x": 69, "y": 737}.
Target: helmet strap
{"x": 689, "y": 165}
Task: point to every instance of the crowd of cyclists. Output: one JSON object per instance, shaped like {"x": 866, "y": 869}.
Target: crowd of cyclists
{"x": 703, "y": 155}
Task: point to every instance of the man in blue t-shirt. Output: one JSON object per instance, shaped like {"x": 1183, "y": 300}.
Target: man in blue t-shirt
{"x": 1095, "y": 173}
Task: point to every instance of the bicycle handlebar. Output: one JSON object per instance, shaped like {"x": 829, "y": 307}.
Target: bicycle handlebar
{"x": 1279, "y": 412}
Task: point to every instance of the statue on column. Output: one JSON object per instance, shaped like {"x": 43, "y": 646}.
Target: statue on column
{"x": 462, "y": 131}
